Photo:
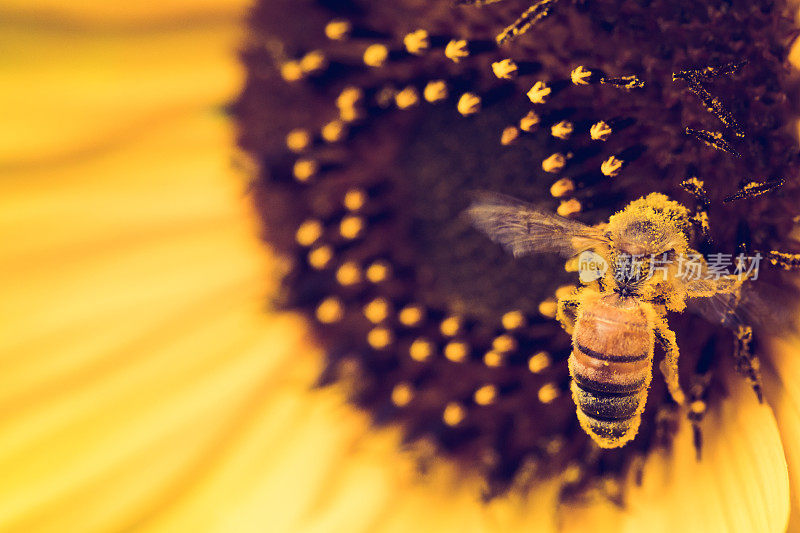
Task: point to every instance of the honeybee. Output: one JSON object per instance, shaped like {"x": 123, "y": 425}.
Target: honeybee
{"x": 615, "y": 319}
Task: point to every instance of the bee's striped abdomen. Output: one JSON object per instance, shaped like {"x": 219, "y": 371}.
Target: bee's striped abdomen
{"x": 611, "y": 368}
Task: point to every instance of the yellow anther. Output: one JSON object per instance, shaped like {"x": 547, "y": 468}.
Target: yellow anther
{"x": 504, "y": 344}
{"x": 435, "y": 91}
{"x": 548, "y": 392}
{"x": 451, "y": 326}
{"x": 572, "y": 474}
{"x": 456, "y": 50}
{"x": 562, "y": 129}
{"x": 561, "y": 188}
{"x": 298, "y": 140}
{"x": 570, "y": 207}
{"x": 402, "y": 394}
{"x": 379, "y": 338}
{"x": 348, "y": 274}
{"x": 548, "y": 308}
{"x": 529, "y": 122}
{"x": 351, "y": 227}
{"x": 338, "y": 29}
{"x": 580, "y": 75}
{"x": 330, "y": 310}
{"x": 421, "y": 350}
{"x": 292, "y": 71}
{"x": 538, "y": 362}
{"x": 351, "y": 114}
{"x": 308, "y": 232}
{"x": 513, "y": 320}
{"x": 320, "y": 257}
{"x": 539, "y": 93}
{"x": 453, "y": 414}
{"x": 350, "y": 97}
{"x": 469, "y": 104}
{"x": 494, "y": 359}
{"x": 507, "y": 69}
{"x": 417, "y": 42}
{"x": 378, "y": 271}
{"x": 509, "y": 135}
{"x": 612, "y": 166}
{"x": 377, "y": 310}
{"x": 354, "y": 199}
{"x": 313, "y": 62}
{"x": 555, "y": 445}
{"x": 485, "y": 395}
{"x": 555, "y": 163}
{"x": 334, "y": 131}
{"x": 600, "y": 131}
{"x": 408, "y": 97}
{"x": 564, "y": 291}
{"x": 456, "y": 351}
{"x": 698, "y": 407}
{"x": 376, "y": 55}
{"x": 305, "y": 169}
{"x": 411, "y": 315}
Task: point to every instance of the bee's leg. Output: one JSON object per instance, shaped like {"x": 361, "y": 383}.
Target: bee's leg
{"x": 669, "y": 365}
{"x": 566, "y": 312}
{"x": 747, "y": 363}
{"x": 531, "y": 16}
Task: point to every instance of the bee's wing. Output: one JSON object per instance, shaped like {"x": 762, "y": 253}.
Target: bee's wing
{"x": 523, "y": 229}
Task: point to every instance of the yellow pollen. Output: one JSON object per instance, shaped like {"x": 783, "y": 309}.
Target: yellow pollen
{"x": 338, "y": 29}
{"x": 580, "y": 75}
{"x": 292, "y": 71}
{"x": 450, "y": 326}
{"x": 529, "y": 122}
{"x": 507, "y": 69}
{"x": 600, "y": 131}
{"x": 469, "y": 104}
{"x": 377, "y": 310}
{"x": 305, "y": 169}
{"x": 562, "y": 187}
{"x": 408, "y": 97}
{"x": 548, "y": 393}
{"x": 308, "y": 232}
{"x": 538, "y": 362}
{"x": 410, "y": 315}
{"x": 417, "y": 42}
{"x": 351, "y": 227}
{"x": 376, "y": 55}
{"x": 548, "y": 308}
{"x": 509, "y": 135}
{"x": 456, "y": 50}
{"x": 612, "y": 166}
{"x": 351, "y": 114}
{"x": 435, "y": 91}
{"x": 485, "y": 395}
{"x": 562, "y": 130}
{"x": 456, "y": 351}
{"x": 334, "y": 131}
{"x": 453, "y": 414}
{"x": 378, "y": 271}
{"x": 504, "y": 344}
{"x": 349, "y": 97}
{"x": 379, "y": 338}
{"x": 555, "y": 163}
{"x": 402, "y": 394}
{"x": 330, "y": 310}
{"x": 494, "y": 359}
{"x": 298, "y": 140}
{"x": 421, "y": 350}
{"x": 513, "y": 320}
{"x": 563, "y": 291}
{"x": 348, "y": 274}
{"x": 314, "y": 61}
{"x": 698, "y": 407}
{"x": 354, "y": 199}
{"x": 569, "y": 207}
{"x": 555, "y": 445}
{"x": 320, "y": 257}
{"x": 539, "y": 93}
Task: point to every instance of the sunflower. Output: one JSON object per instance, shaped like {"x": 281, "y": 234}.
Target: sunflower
{"x": 146, "y": 387}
